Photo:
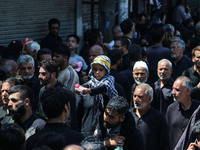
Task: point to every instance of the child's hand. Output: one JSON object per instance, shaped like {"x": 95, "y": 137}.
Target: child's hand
{"x": 86, "y": 91}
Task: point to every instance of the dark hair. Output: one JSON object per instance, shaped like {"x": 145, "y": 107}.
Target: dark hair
{"x": 43, "y": 147}
{"x": 135, "y": 52}
{"x": 53, "y": 21}
{"x": 53, "y": 140}
{"x": 12, "y": 137}
{"x": 25, "y": 92}
{"x": 126, "y": 26}
{"x": 124, "y": 41}
{"x": 74, "y": 36}
{"x": 92, "y": 142}
{"x": 196, "y": 128}
{"x": 42, "y": 52}
{"x": 118, "y": 104}
{"x": 50, "y": 65}
{"x": 114, "y": 56}
{"x": 92, "y": 36}
{"x": 157, "y": 34}
{"x": 14, "y": 80}
{"x": 64, "y": 50}
{"x": 54, "y": 100}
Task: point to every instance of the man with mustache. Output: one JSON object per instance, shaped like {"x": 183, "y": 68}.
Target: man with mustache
{"x": 20, "y": 108}
{"x": 48, "y": 73}
{"x": 140, "y": 75}
{"x": 179, "y": 112}
{"x": 117, "y": 129}
{"x": 26, "y": 69}
{"x": 163, "y": 86}
{"x": 194, "y": 73}
{"x": 150, "y": 122}
{"x": 180, "y": 61}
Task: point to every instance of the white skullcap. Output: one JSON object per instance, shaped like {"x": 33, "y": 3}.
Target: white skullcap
{"x": 139, "y": 64}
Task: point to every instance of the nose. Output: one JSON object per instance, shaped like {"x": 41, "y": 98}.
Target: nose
{"x": 39, "y": 76}
{"x": 173, "y": 92}
{"x": 9, "y": 103}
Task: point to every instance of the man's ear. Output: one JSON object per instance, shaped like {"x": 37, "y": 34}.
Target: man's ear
{"x": 27, "y": 102}
{"x": 122, "y": 118}
{"x": 67, "y": 108}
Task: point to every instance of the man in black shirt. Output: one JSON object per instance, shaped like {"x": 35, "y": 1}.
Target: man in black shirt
{"x": 180, "y": 61}
{"x": 194, "y": 73}
{"x": 52, "y": 40}
{"x": 56, "y": 106}
{"x": 163, "y": 87}
{"x": 150, "y": 122}
{"x": 179, "y": 112}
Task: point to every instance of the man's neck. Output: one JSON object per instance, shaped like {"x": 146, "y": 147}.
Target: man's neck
{"x": 163, "y": 82}
{"x": 60, "y": 119}
{"x": 129, "y": 35}
{"x": 51, "y": 84}
{"x": 185, "y": 105}
{"x": 197, "y": 69}
{"x": 26, "y": 116}
{"x": 177, "y": 60}
{"x": 141, "y": 112}
{"x": 73, "y": 52}
{"x": 64, "y": 66}
{"x": 157, "y": 44}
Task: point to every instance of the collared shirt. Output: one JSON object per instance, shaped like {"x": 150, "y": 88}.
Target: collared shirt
{"x": 154, "y": 129}
{"x": 184, "y": 63}
{"x": 163, "y": 96}
{"x": 195, "y": 78}
{"x": 177, "y": 120}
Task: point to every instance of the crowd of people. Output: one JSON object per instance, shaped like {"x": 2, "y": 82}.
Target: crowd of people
{"x": 140, "y": 91}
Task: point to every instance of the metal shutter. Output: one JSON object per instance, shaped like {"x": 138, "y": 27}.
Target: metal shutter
{"x": 29, "y": 18}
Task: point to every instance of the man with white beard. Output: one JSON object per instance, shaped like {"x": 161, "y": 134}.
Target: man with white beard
{"x": 179, "y": 112}
{"x": 140, "y": 75}
{"x": 150, "y": 122}
{"x": 163, "y": 86}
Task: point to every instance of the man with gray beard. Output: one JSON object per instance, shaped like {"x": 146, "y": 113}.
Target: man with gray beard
{"x": 26, "y": 69}
{"x": 179, "y": 112}
{"x": 150, "y": 122}
{"x": 194, "y": 73}
{"x": 163, "y": 86}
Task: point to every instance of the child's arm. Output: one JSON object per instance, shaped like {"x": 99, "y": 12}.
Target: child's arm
{"x": 98, "y": 90}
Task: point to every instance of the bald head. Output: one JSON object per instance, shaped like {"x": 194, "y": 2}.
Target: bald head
{"x": 95, "y": 51}
{"x": 73, "y": 147}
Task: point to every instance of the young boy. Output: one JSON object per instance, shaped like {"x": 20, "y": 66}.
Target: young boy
{"x": 75, "y": 60}
{"x": 101, "y": 84}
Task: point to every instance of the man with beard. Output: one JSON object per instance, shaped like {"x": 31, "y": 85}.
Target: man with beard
{"x": 20, "y": 108}
{"x": 117, "y": 129}
{"x": 7, "y": 84}
{"x": 180, "y": 61}
{"x": 140, "y": 75}
{"x": 194, "y": 73}
{"x": 26, "y": 75}
{"x": 179, "y": 112}
{"x": 163, "y": 87}
{"x": 48, "y": 72}
{"x": 150, "y": 122}
{"x": 66, "y": 75}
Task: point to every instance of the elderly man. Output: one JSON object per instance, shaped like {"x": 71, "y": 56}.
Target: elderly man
{"x": 150, "y": 122}
{"x": 194, "y": 72}
{"x": 26, "y": 67}
{"x": 180, "y": 61}
{"x": 163, "y": 86}
{"x": 20, "y": 108}
{"x": 179, "y": 112}
{"x": 140, "y": 74}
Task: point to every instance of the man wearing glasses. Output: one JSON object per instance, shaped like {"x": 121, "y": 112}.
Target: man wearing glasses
{"x": 180, "y": 61}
